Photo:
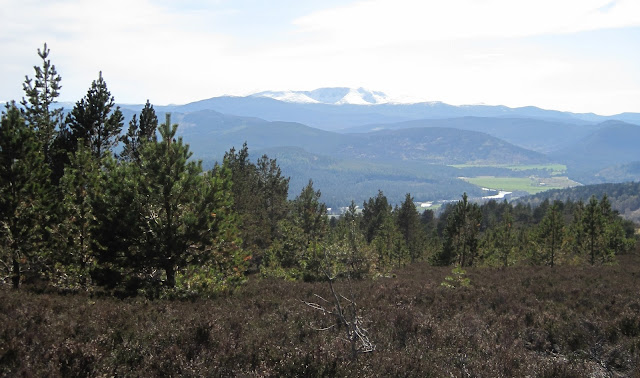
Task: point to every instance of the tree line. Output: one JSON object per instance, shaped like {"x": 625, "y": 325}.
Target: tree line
{"x": 85, "y": 205}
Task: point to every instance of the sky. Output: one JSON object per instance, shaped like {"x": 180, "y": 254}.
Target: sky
{"x": 569, "y": 55}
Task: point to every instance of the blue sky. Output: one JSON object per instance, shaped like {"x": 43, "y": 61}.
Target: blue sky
{"x": 575, "y": 55}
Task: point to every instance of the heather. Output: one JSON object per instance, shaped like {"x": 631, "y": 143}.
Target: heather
{"x": 565, "y": 321}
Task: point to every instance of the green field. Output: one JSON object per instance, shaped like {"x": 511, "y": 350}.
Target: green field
{"x": 526, "y": 184}
{"x": 556, "y": 169}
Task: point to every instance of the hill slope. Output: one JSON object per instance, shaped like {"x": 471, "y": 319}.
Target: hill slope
{"x": 613, "y": 143}
{"x": 342, "y": 180}
{"x": 624, "y": 197}
{"x": 530, "y": 133}
{"x": 438, "y": 146}
{"x": 211, "y": 134}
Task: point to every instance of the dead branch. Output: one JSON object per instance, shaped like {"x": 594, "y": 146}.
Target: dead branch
{"x": 357, "y": 335}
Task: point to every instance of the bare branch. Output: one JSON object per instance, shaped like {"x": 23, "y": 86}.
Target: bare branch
{"x": 321, "y": 298}
{"x": 357, "y": 336}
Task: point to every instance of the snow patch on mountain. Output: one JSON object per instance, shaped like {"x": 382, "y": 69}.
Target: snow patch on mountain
{"x": 287, "y": 96}
{"x": 331, "y": 96}
{"x": 328, "y": 95}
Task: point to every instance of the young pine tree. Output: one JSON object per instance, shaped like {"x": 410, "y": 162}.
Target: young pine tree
{"x": 550, "y": 233}
{"x": 274, "y": 189}
{"x": 499, "y": 240}
{"x": 218, "y": 263}
{"x": 374, "y": 214}
{"x": 348, "y": 247}
{"x": 260, "y": 198}
{"x": 461, "y": 234}
{"x": 117, "y": 211}
{"x": 95, "y": 121}
{"x": 311, "y": 213}
{"x": 181, "y": 207}
{"x": 140, "y": 132}
{"x": 23, "y": 183}
{"x": 408, "y": 222}
{"x": 593, "y": 222}
{"x": 77, "y": 233}
{"x": 38, "y": 106}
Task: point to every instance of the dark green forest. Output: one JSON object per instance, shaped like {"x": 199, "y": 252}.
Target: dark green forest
{"x": 93, "y": 210}
{"x": 624, "y": 197}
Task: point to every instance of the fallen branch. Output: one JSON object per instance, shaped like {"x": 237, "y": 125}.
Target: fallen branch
{"x": 347, "y": 316}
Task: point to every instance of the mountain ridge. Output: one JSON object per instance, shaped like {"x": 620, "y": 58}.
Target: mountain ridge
{"x": 324, "y": 108}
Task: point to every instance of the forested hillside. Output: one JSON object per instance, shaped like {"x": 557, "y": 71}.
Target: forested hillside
{"x": 344, "y": 180}
{"x": 539, "y": 135}
{"x": 613, "y": 144}
{"x": 624, "y": 197}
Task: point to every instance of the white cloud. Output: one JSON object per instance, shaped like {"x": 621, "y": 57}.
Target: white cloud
{"x": 139, "y": 45}
{"x": 469, "y": 51}
{"x": 379, "y": 22}
{"x": 457, "y": 51}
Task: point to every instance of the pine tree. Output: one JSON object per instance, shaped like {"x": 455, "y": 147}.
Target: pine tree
{"x": 575, "y": 237}
{"x": 389, "y": 244}
{"x": 593, "y": 223}
{"x": 408, "y": 222}
{"x": 38, "y": 107}
{"x": 117, "y": 211}
{"x": 247, "y": 197}
{"x": 23, "y": 182}
{"x": 260, "y": 198}
{"x": 139, "y": 132}
{"x": 178, "y": 203}
{"x": 148, "y": 124}
{"x": 500, "y": 239}
{"x": 77, "y": 233}
{"x": 461, "y": 234}
{"x": 550, "y": 232}
{"x": 311, "y": 212}
{"x": 218, "y": 263}
{"x": 131, "y": 144}
{"x": 348, "y": 247}
{"x": 95, "y": 121}
{"x": 374, "y": 214}
{"x": 62, "y": 147}
{"x": 274, "y": 189}
{"x": 613, "y": 234}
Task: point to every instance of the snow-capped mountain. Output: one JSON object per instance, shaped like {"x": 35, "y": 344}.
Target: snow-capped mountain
{"x": 331, "y": 96}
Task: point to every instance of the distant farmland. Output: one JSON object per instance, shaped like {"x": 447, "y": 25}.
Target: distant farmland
{"x": 531, "y": 185}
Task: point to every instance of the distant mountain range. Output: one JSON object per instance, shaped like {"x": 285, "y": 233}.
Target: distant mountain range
{"x": 352, "y": 142}
{"x": 342, "y": 108}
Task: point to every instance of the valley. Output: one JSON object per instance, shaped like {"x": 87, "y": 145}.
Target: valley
{"x": 352, "y": 147}
{"x": 528, "y": 185}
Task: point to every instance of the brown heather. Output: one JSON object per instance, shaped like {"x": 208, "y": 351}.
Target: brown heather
{"x": 565, "y": 321}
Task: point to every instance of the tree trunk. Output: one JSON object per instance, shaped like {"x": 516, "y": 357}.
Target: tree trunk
{"x": 15, "y": 278}
{"x": 171, "y": 275}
